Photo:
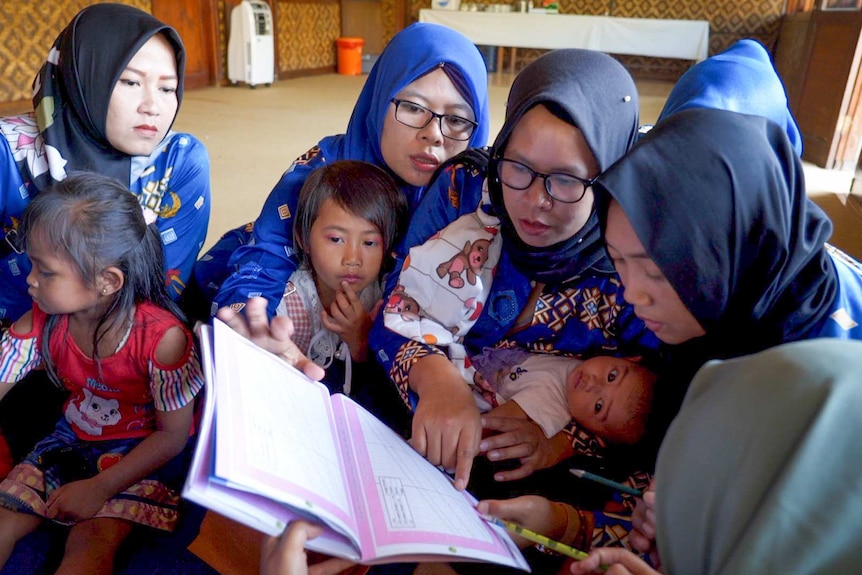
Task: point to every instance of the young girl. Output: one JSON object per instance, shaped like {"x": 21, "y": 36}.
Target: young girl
{"x": 105, "y": 329}
{"x": 348, "y": 218}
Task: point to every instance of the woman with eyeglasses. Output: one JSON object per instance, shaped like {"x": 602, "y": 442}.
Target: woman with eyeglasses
{"x": 425, "y": 100}
{"x": 569, "y": 116}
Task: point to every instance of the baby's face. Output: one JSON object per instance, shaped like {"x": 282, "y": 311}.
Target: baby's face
{"x": 600, "y": 392}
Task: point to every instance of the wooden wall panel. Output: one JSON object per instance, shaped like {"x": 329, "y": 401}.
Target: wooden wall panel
{"x": 26, "y": 34}
{"x": 305, "y": 34}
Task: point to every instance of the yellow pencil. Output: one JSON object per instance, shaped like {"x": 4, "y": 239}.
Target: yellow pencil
{"x": 529, "y": 535}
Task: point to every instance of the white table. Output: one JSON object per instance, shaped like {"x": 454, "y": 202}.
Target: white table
{"x": 685, "y": 39}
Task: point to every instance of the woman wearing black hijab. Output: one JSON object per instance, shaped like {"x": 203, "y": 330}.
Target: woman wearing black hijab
{"x": 720, "y": 251}
{"x": 717, "y": 244}
{"x": 105, "y": 101}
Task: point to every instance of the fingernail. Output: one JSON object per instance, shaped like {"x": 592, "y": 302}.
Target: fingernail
{"x": 483, "y": 446}
{"x": 498, "y": 477}
{"x": 493, "y": 455}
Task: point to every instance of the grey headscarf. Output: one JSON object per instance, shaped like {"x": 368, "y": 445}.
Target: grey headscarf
{"x": 761, "y": 471}
{"x": 594, "y": 93}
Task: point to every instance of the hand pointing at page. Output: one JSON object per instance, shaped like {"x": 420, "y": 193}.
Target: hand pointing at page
{"x": 273, "y": 336}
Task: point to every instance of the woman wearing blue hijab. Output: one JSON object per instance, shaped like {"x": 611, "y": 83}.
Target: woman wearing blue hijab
{"x": 740, "y": 79}
{"x": 425, "y": 100}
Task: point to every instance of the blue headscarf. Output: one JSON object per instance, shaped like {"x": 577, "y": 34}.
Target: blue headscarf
{"x": 412, "y": 53}
{"x": 740, "y": 79}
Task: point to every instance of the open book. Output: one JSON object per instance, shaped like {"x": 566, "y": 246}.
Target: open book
{"x": 275, "y": 446}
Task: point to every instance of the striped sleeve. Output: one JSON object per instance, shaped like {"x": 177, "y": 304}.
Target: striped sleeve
{"x": 18, "y": 356}
{"x": 176, "y": 387}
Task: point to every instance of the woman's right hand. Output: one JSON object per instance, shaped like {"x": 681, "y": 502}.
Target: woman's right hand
{"x": 447, "y": 428}
{"x": 273, "y": 336}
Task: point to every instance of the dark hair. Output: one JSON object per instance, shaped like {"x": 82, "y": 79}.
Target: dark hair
{"x": 94, "y": 222}
{"x": 360, "y": 188}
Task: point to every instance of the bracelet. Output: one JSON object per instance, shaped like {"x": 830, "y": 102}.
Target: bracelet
{"x": 578, "y": 532}
{"x": 579, "y": 528}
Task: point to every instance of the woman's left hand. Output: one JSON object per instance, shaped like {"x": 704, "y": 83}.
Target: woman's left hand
{"x": 524, "y": 440}
{"x": 531, "y": 511}
{"x": 76, "y": 501}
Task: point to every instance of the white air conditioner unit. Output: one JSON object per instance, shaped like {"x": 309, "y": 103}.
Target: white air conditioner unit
{"x": 250, "y": 49}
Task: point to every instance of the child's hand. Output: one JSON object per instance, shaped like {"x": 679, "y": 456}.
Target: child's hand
{"x": 348, "y": 319}
{"x": 285, "y": 555}
{"x": 76, "y": 501}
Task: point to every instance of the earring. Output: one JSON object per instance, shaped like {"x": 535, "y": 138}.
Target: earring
{"x": 104, "y": 291}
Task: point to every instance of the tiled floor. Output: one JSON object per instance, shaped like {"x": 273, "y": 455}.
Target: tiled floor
{"x": 252, "y": 137}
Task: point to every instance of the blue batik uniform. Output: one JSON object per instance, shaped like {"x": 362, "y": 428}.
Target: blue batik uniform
{"x": 261, "y": 260}
{"x": 172, "y": 185}
{"x": 844, "y": 320}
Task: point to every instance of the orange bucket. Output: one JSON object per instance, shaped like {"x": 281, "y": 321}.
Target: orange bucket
{"x": 349, "y": 56}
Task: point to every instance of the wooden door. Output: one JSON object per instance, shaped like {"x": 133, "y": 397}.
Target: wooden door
{"x": 363, "y": 19}
{"x": 195, "y": 20}
{"x": 818, "y": 56}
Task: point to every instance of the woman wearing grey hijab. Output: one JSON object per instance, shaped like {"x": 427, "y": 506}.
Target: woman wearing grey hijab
{"x": 759, "y": 472}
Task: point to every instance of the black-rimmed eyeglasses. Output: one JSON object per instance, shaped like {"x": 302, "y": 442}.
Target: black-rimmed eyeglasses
{"x": 415, "y": 116}
{"x": 564, "y": 188}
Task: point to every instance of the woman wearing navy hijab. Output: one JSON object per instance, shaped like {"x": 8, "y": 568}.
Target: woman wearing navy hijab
{"x": 425, "y": 100}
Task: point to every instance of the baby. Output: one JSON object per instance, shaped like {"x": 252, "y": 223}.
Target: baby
{"x": 607, "y": 396}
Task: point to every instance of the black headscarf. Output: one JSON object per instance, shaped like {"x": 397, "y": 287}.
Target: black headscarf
{"x": 594, "y": 93}
{"x": 72, "y": 91}
{"x": 718, "y": 200}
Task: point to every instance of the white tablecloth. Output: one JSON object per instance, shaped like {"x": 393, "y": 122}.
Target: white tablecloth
{"x": 685, "y": 39}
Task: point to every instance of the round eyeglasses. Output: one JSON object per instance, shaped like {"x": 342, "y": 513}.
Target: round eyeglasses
{"x": 564, "y": 188}
{"x": 415, "y": 116}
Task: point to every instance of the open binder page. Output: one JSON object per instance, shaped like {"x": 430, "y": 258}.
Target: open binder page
{"x": 252, "y": 510}
{"x": 411, "y": 508}
{"x": 276, "y": 433}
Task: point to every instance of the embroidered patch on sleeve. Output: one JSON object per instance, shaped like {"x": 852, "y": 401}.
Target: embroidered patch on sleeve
{"x": 283, "y": 211}
{"x": 843, "y": 319}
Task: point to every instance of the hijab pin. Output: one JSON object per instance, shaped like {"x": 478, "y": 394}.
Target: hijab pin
{"x": 627, "y": 98}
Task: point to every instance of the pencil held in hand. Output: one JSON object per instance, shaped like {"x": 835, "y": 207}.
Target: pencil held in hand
{"x": 607, "y": 482}
{"x": 538, "y": 538}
